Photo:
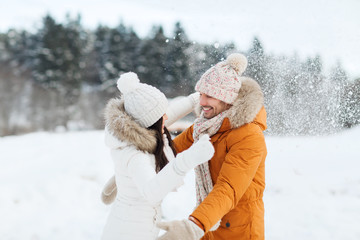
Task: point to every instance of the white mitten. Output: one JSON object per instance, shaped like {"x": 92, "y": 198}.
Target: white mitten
{"x": 181, "y": 107}
{"x": 180, "y": 230}
{"x": 200, "y": 152}
{"x": 109, "y": 191}
{"x": 195, "y": 98}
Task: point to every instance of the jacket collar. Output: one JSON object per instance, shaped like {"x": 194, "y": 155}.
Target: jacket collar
{"x": 124, "y": 128}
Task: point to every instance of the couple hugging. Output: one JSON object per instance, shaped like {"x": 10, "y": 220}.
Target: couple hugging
{"x": 225, "y": 146}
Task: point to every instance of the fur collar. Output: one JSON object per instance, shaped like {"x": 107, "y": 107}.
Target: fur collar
{"x": 247, "y": 104}
{"x": 124, "y": 128}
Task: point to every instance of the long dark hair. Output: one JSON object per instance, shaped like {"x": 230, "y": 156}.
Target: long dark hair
{"x": 160, "y": 157}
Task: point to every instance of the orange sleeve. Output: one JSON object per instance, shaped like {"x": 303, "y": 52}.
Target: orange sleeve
{"x": 236, "y": 174}
{"x": 184, "y": 140}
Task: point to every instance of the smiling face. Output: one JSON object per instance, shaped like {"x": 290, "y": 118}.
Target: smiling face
{"x": 212, "y": 106}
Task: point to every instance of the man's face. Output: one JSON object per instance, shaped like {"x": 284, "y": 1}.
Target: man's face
{"x": 212, "y": 106}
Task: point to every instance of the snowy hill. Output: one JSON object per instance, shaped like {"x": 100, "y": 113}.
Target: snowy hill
{"x": 50, "y": 186}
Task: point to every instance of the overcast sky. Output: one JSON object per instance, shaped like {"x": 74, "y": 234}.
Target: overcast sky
{"x": 330, "y": 28}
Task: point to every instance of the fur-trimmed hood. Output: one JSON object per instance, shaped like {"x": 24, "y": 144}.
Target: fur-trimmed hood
{"x": 247, "y": 105}
{"x": 123, "y": 128}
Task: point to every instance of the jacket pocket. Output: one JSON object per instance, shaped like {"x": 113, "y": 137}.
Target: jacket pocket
{"x": 237, "y": 218}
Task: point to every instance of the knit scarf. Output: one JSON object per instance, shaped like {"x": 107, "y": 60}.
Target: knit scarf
{"x": 202, "y": 126}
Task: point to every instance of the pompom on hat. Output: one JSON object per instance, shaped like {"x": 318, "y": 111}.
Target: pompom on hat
{"x": 223, "y": 81}
{"x": 145, "y": 103}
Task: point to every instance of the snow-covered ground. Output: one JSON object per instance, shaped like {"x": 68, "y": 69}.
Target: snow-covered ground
{"x": 50, "y": 186}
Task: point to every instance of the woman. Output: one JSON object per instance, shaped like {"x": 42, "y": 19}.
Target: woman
{"x": 146, "y": 168}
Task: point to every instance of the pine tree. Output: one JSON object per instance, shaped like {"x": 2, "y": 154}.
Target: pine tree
{"x": 117, "y": 50}
{"x": 152, "y": 57}
{"x": 132, "y": 50}
{"x": 59, "y": 56}
{"x": 216, "y": 52}
{"x": 256, "y": 62}
{"x": 99, "y": 55}
{"x": 261, "y": 68}
{"x": 59, "y": 62}
{"x": 15, "y": 61}
{"x": 337, "y": 84}
{"x": 178, "y": 77}
{"x": 350, "y": 105}
{"x": 311, "y": 92}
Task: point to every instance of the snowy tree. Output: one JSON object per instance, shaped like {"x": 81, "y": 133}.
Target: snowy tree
{"x": 263, "y": 69}
{"x": 55, "y": 75}
{"x": 350, "y": 102}
{"x": 116, "y": 51}
{"x": 310, "y": 90}
{"x": 336, "y": 86}
{"x": 15, "y": 62}
{"x": 98, "y": 56}
{"x": 132, "y": 50}
{"x": 256, "y": 63}
{"x": 214, "y": 53}
{"x": 59, "y": 62}
{"x": 178, "y": 78}
{"x": 152, "y": 57}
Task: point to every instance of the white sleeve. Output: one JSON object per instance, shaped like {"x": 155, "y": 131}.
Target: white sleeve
{"x": 181, "y": 107}
{"x": 154, "y": 187}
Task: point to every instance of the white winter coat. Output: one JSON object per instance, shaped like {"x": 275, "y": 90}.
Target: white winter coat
{"x": 137, "y": 207}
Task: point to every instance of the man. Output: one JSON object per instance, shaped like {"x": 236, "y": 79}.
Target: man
{"x": 230, "y": 186}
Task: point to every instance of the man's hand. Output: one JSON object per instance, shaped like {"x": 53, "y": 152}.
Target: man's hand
{"x": 180, "y": 230}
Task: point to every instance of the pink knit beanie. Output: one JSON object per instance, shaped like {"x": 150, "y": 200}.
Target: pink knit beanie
{"x": 222, "y": 81}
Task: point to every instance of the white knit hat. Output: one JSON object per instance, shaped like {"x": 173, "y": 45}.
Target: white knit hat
{"x": 222, "y": 81}
{"x": 145, "y": 103}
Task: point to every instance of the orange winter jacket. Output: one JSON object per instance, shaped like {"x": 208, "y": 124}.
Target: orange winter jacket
{"x": 237, "y": 169}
